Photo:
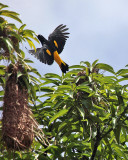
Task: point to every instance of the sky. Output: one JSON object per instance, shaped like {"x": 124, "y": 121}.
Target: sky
{"x": 98, "y": 29}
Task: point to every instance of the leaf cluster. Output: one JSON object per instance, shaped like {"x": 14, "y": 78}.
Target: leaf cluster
{"x": 11, "y": 39}
{"x": 84, "y": 113}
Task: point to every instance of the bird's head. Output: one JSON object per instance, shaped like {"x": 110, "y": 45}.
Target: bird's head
{"x": 41, "y": 39}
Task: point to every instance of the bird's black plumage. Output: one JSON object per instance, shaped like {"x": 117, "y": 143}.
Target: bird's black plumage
{"x": 42, "y": 55}
{"x": 56, "y": 41}
{"x": 60, "y": 36}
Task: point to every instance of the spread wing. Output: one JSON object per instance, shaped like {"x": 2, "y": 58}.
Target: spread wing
{"x": 58, "y": 37}
{"x": 43, "y": 54}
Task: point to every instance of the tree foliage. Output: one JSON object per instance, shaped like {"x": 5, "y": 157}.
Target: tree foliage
{"x": 82, "y": 114}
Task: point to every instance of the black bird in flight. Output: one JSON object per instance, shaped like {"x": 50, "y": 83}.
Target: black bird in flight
{"x": 52, "y": 47}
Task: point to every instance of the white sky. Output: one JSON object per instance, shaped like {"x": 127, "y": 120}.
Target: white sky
{"x": 99, "y": 29}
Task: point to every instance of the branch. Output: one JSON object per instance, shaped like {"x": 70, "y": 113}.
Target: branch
{"x": 98, "y": 139}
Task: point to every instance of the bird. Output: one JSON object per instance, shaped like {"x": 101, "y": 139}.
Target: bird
{"x": 52, "y": 47}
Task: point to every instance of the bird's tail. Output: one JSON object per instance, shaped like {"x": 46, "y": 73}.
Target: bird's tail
{"x": 64, "y": 67}
{"x": 61, "y": 63}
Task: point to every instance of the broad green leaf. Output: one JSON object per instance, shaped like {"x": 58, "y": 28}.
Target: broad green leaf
{"x": 87, "y": 71}
{"x": 47, "y": 89}
{"x": 108, "y": 144}
{"x": 121, "y": 80}
{"x": 22, "y": 54}
{"x": 73, "y": 72}
{"x": 7, "y": 43}
{"x": 33, "y": 92}
{"x": 82, "y": 111}
{"x": 84, "y": 88}
{"x": 26, "y": 82}
{"x": 114, "y": 122}
{"x": 29, "y": 33}
{"x": 14, "y": 17}
{"x": 105, "y": 79}
{"x": 13, "y": 26}
{"x": 64, "y": 87}
{"x": 6, "y": 12}
{"x": 107, "y": 116}
{"x": 98, "y": 107}
{"x": 1, "y": 93}
{"x": 71, "y": 93}
{"x": 19, "y": 74}
{"x": 22, "y": 27}
{"x": 12, "y": 33}
{"x": 2, "y": 67}
{"x": 10, "y": 14}
{"x": 48, "y": 81}
{"x": 2, "y": 6}
{"x": 117, "y": 132}
{"x": 85, "y": 62}
{"x": 62, "y": 125}
{"x": 59, "y": 114}
{"x": 119, "y": 96}
{"x": 94, "y": 63}
{"x": 52, "y": 75}
{"x": 28, "y": 61}
{"x": 95, "y": 118}
{"x": 123, "y": 137}
{"x": 2, "y": 72}
{"x": 33, "y": 70}
{"x": 59, "y": 103}
{"x": 119, "y": 151}
{"x": 76, "y": 66}
{"x": 122, "y": 72}
{"x": 1, "y": 99}
{"x": 31, "y": 44}
{"x": 35, "y": 79}
{"x": 56, "y": 95}
{"x": 78, "y": 78}
{"x": 87, "y": 103}
{"x": 105, "y": 67}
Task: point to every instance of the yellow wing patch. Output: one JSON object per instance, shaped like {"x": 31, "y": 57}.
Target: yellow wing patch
{"x": 55, "y": 43}
{"x": 48, "y": 52}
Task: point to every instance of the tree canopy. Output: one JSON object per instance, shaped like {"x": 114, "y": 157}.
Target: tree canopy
{"x": 82, "y": 114}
